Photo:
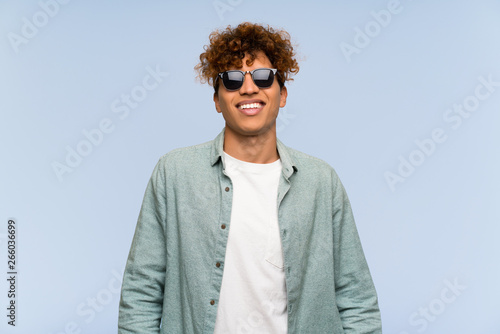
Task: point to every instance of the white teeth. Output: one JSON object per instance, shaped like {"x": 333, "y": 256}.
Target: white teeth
{"x": 250, "y": 105}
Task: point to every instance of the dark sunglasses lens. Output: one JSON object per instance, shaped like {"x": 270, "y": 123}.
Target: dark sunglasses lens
{"x": 232, "y": 80}
{"x": 263, "y": 78}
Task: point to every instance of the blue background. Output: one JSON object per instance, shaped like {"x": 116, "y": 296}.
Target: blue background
{"x": 363, "y": 111}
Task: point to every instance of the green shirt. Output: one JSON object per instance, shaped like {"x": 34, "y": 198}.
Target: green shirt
{"x": 175, "y": 265}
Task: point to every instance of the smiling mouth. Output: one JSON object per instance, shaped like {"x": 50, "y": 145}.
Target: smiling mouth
{"x": 255, "y": 105}
{"x": 250, "y": 107}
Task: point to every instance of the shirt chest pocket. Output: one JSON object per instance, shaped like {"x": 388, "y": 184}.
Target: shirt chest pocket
{"x": 274, "y": 250}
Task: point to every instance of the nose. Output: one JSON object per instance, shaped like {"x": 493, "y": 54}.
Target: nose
{"x": 248, "y": 87}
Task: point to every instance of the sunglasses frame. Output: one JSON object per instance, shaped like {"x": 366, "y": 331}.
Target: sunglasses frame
{"x": 244, "y": 73}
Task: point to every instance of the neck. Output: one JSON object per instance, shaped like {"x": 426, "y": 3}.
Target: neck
{"x": 260, "y": 149}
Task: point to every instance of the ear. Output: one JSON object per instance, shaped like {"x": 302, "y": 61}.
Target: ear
{"x": 217, "y": 104}
{"x": 283, "y": 96}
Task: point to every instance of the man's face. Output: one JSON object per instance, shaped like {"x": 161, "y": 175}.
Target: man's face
{"x": 261, "y": 118}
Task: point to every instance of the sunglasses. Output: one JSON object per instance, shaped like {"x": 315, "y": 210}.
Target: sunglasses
{"x": 262, "y": 77}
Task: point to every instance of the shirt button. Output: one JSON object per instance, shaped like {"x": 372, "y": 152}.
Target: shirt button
{"x": 217, "y": 264}
{"x": 212, "y": 302}
{"x": 223, "y": 226}
{"x": 227, "y": 189}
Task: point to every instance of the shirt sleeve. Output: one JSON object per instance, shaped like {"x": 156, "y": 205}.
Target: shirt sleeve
{"x": 355, "y": 292}
{"x": 141, "y": 301}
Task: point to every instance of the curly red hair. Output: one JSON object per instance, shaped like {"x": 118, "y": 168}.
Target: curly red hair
{"x": 228, "y": 48}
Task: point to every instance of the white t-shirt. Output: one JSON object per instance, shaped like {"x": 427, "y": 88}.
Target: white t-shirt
{"x": 253, "y": 293}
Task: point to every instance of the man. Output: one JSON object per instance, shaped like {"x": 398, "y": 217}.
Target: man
{"x": 243, "y": 234}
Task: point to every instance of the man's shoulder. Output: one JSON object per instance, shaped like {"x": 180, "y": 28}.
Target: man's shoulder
{"x": 302, "y": 159}
{"x": 183, "y": 159}
{"x": 188, "y": 151}
{"x": 313, "y": 171}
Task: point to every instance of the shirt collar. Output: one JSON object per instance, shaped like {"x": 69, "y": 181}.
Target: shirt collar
{"x": 288, "y": 165}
